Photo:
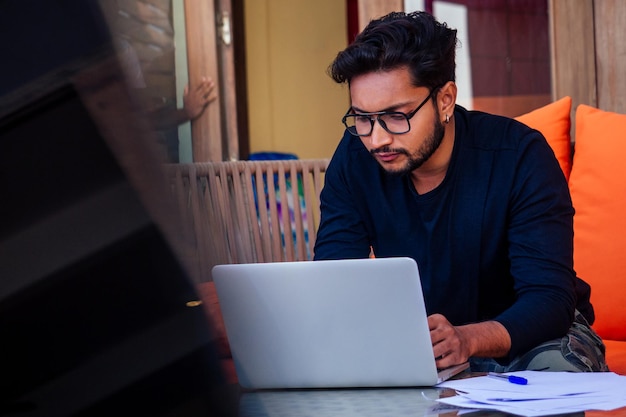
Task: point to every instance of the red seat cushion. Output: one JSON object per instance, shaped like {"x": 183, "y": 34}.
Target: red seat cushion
{"x": 211, "y": 306}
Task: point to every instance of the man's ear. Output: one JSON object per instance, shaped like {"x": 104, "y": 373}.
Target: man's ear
{"x": 447, "y": 99}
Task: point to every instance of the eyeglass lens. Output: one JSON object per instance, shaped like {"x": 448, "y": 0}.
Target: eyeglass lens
{"x": 362, "y": 125}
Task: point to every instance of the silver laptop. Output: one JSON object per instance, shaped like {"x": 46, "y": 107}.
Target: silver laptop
{"x": 328, "y": 324}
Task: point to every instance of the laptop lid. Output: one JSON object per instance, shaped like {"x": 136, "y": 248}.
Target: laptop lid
{"x": 327, "y": 324}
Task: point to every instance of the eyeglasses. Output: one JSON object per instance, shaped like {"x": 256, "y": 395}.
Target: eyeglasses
{"x": 394, "y": 122}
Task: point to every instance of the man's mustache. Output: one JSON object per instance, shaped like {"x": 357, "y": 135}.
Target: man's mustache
{"x": 386, "y": 149}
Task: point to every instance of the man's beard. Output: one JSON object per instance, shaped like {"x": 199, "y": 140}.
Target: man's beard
{"x": 423, "y": 154}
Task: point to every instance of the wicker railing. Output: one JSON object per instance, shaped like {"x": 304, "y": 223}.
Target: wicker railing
{"x": 249, "y": 211}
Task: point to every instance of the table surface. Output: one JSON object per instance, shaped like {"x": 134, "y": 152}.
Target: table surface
{"x": 364, "y": 402}
{"x": 345, "y": 402}
{"x": 354, "y": 402}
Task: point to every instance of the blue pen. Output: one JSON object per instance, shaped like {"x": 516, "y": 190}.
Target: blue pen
{"x": 511, "y": 378}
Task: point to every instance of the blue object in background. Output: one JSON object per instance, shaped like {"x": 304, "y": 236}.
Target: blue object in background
{"x": 271, "y": 156}
{"x": 276, "y": 156}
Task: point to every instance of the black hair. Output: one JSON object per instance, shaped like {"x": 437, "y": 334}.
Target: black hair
{"x": 415, "y": 40}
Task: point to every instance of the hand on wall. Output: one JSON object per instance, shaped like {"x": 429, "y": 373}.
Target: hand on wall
{"x": 196, "y": 100}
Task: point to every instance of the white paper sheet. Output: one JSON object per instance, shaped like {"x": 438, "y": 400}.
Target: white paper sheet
{"x": 546, "y": 393}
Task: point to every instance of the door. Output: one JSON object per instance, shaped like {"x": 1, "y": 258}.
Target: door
{"x": 210, "y": 38}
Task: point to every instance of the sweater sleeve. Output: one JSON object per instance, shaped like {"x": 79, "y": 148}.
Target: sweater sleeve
{"x": 540, "y": 245}
{"x": 342, "y": 233}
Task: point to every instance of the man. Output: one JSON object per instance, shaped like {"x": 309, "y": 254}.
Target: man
{"x": 478, "y": 200}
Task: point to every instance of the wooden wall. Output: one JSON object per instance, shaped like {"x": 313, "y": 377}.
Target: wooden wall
{"x": 373, "y": 9}
{"x": 589, "y": 52}
{"x": 147, "y": 26}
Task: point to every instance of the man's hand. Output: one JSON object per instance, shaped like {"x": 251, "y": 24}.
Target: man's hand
{"x": 453, "y": 345}
{"x": 196, "y": 100}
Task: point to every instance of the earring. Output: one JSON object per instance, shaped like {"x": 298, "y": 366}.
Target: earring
{"x": 447, "y": 119}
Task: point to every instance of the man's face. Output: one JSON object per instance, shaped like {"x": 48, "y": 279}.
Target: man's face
{"x": 394, "y": 91}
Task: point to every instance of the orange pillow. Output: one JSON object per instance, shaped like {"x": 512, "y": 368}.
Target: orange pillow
{"x": 616, "y": 356}
{"x": 553, "y": 121}
{"x": 598, "y": 187}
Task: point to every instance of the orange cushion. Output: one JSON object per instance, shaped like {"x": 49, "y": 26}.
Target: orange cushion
{"x": 616, "y": 356}
{"x": 598, "y": 187}
{"x": 553, "y": 121}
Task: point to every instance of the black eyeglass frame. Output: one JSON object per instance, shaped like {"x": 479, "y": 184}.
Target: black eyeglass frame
{"x": 407, "y": 116}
